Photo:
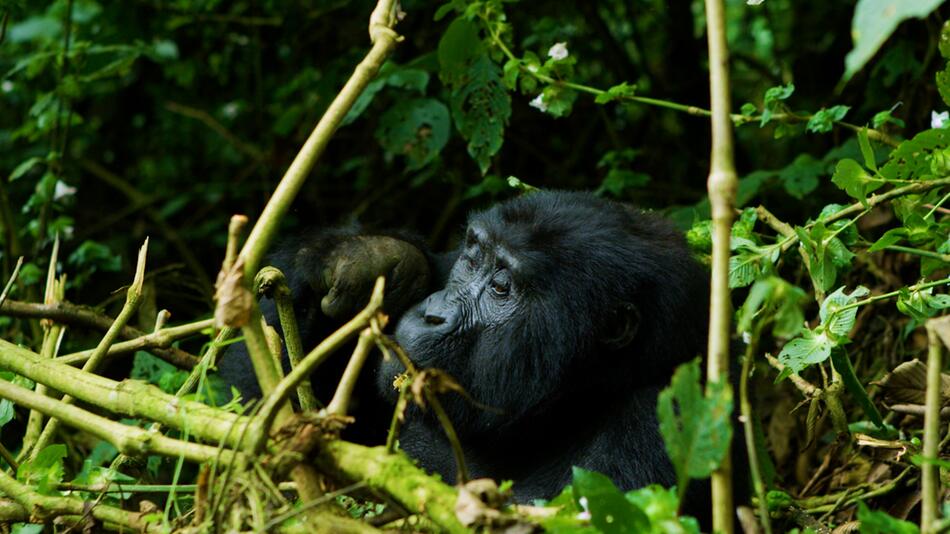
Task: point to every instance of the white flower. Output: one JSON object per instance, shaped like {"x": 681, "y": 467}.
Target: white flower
{"x": 939, "y": 120}
{"x": 539, "y": 103}
{"x": 558, "y": 51}
{"x": 63, "y": 190}
{"x": 584, "y": 515}
{"x": 230, "y": 110}
{"x": 532, "y": 68}
{"x": 746, "y": 338}
{"x": 7, "y": 86}
{"x": 754, "y": 2}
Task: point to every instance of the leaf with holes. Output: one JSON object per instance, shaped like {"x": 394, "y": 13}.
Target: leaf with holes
{"x": 480, "y": 108}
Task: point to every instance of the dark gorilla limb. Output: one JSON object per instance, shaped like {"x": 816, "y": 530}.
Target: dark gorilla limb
{"x": 330, "y": 276}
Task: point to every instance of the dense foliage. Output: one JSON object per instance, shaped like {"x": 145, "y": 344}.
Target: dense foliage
{"x": 161, "y": 119}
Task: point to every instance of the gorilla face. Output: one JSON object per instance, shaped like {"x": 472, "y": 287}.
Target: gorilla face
{"x": 546, "y": 299}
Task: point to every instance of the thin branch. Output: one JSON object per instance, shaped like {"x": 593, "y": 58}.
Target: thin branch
{"x": 130, "y": 307}
{"x": 341, "y": 399}
{"x": 158, "y": 339}
{"x": 86, "y": 317}
{"x": 13, "y": 277}
{"x": 384, "y": 41}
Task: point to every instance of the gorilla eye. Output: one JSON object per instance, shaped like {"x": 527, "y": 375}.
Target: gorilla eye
{"x": 501, "y": 284}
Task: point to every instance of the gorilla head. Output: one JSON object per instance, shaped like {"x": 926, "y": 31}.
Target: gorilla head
{"x": 553, "y": 295}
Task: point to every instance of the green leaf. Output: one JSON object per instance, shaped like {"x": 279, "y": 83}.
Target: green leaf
{"x": 866, "y": 150}
{"x": 911, "y": 159}
{"x": 661, "y": 506}
{"x": 45, "y": 471}
{"x": 799, "y": 353}
{"x": 617, "y": 92}
{"x": 558, "y": 100}
{"x": 458, "y": 49}
{"x": 890, "y": 237}
{"x": 696, "y": 429}
{"x": 878, "y": 522}
{"x": 511, "y": 71}
{"x": 619, "y": 180}
{"x": 842, "y": 364}
{"x": 823, "y": 120}
{"x": 773, "y": 100}
{"x": 840, "y": 323}
{"x": 610, "y": 511}
{"x": 921, "y": 304}
{"x": 416, "y": 128}
{"x": 883, "y": 117}
{"x": 874, "y": 21}
{"x": 773, "y": 299}
{"x": 801, "y": 176}
{"x": 25, "y": 167}
{"x": 480, "y": 108}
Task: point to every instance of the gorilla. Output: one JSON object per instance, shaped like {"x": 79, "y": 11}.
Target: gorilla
{"x": 561, "y": 314}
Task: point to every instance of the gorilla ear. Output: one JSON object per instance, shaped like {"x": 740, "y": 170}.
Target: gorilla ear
{"x": 622, "y": 326}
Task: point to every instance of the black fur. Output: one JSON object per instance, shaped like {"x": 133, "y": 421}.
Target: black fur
{"x": 564, "y": 312}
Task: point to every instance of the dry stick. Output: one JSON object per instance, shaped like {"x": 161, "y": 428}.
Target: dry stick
{"x": 384, "y": 40}
{"x": 272, "y": 282}
{"x": 930, "y": 475}
{"x": 127, "y": 439}
{"x": 53, "y": 334}
{"x": 13, "y": 277}
{"x": 131, "y": 305}
{"x": 85, "y": 317}
{"x": 722, "y": 187}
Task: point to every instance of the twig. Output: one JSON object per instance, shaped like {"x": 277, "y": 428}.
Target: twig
{"x": 384, "y": 40}
{"x": 52, "y": 336}
{"x": 131, "y": 305}
{"x": 13, "y": 277}
{"x": 205, "y": 118}
{"x": 159, "y": 339}
{"x": 83, "y": 316}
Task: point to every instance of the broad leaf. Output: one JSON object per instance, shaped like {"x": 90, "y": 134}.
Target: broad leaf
{"x": 481, "y": 107}
{"x": 609, "y": 510}
{"x": 696, "y": 428}
{"x": 416, "y": 128}
{"x": 801, "y": 352}
{"x": 874, "y": 21}
{"x": 840, "y": 323}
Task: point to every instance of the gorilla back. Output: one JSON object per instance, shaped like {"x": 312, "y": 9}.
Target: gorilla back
{"x": 566, "y": 314}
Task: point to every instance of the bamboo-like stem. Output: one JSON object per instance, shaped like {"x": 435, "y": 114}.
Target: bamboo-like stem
{"x": 131, "y": 398}
{"x": 341, "y": 399}
{"x": 129, "y": 309}
{"x": 36, "y": 506}
{"x": 930, "y": 473}
{"x": 384, "y": 40}
{"x": 127, "y": 439}
{"x": 722, "y": 185}
{"x": 273, "y": 283}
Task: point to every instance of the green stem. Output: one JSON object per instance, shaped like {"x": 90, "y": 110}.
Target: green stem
{"x": 748, "y": 425}
{"x": 892, "y": 294}
{"x": 930, "y": 473}
{"x": 918, "y": 252}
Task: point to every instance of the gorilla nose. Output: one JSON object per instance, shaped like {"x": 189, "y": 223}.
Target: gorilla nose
{"x": 433, "y": 319}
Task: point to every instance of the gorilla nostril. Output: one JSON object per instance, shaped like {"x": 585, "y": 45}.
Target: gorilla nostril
{"x": 434, "y": 320}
